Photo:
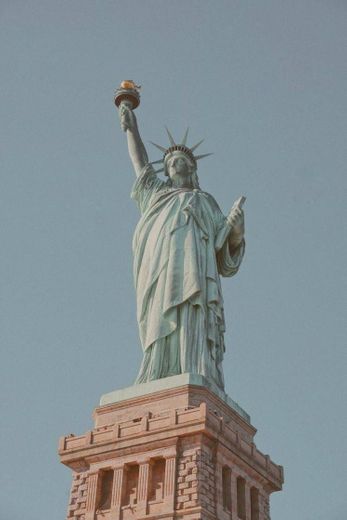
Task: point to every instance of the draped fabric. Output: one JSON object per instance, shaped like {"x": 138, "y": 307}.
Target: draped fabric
{"x": 176, "y": 271}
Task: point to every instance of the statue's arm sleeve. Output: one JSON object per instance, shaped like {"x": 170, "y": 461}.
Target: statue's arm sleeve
{"x": 145, "y": 187}
{"x": 229, "y": 258}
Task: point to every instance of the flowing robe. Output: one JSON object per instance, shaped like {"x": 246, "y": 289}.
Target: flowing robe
{"x": 176, "y": 271}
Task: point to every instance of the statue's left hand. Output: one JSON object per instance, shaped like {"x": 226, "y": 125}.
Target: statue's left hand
{"x": 237, "y": 223}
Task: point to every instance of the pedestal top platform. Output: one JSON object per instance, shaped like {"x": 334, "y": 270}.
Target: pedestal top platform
{"x": 168, "y": 383}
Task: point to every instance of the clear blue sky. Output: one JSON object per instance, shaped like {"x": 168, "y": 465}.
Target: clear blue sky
{"x": 265, "y": 82}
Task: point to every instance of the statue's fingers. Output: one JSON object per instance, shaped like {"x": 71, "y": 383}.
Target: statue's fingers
{"x": 240, "y": 214}
{"x": 124, "y": 109}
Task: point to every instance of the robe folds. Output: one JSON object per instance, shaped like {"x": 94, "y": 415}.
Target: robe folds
{"x": 176, "y": 272}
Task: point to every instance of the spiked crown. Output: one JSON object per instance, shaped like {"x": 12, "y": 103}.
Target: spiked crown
{"x": 182, "y": 147}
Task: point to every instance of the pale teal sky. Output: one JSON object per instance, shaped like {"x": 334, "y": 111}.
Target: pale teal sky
{"x": 265, "y": 83}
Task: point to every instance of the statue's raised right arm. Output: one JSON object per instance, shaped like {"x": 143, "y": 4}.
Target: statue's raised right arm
{"x": 137, "y": 150}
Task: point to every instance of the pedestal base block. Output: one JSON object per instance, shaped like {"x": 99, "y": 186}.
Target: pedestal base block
{"x": 180, "y": 451}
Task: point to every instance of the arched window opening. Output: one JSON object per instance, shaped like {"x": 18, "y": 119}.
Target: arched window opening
{"x": 226, "y": 485}
{"x": 254, "y": 503}
{"x": 105, "y": 489}
{"x": 156, "y": 488}
{"x": 241, "y": 498}
{"x": 131, "y": 485}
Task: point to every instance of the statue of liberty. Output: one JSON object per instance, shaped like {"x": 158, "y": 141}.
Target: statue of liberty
{"x": 181, "y": 246}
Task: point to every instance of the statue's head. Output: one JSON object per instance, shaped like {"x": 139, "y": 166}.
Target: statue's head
{"x": 181, "y": 169}
{"x": 180, "y": 163}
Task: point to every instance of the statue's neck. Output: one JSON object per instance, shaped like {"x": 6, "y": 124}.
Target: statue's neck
{"x": 179, "y": 181}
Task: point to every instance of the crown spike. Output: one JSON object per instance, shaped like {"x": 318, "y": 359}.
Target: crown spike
{"x": 184, "y": 140}
{"x": 196, "y": 145}
{"x": 171, "y": 139}
{"x": 157, "y": 162}
{"x": 161, "y": 148}
{"x": 197, "y": 157}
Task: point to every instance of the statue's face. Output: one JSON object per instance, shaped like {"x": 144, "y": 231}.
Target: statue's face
{"x": 178, "y": 164}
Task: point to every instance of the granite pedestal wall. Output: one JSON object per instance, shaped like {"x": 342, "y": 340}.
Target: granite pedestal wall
{"x": 173, "y": 449}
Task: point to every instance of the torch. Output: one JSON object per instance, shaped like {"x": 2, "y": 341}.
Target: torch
{"x": 128, "y": 93}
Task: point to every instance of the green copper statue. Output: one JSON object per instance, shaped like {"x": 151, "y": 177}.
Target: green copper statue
{"x": 182, "y": 244}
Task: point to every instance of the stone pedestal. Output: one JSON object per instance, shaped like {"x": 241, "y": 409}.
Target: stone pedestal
{"x": 173, "y": 449}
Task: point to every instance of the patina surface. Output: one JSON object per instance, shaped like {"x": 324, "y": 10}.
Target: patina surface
{"x": 182, "y": 245}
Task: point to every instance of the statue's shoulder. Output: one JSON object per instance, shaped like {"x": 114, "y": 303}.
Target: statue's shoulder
{"x": 146, "y": 185}
{"x": 212, "y": 201}
{"x": 149, "y": 178}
